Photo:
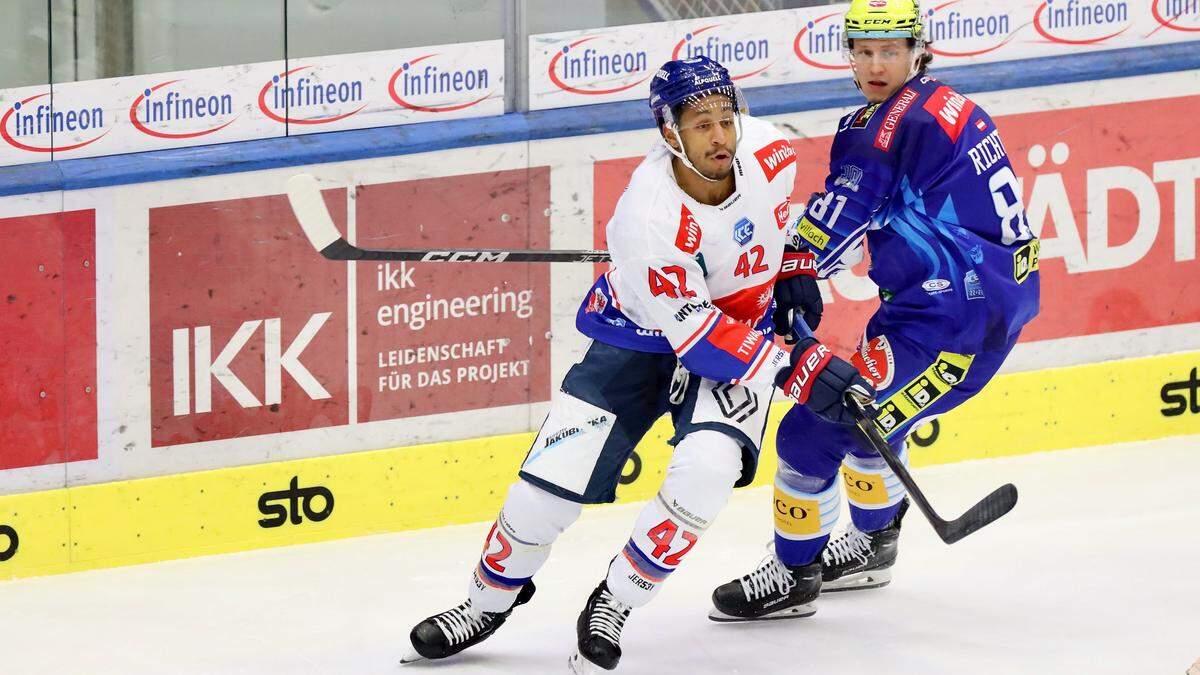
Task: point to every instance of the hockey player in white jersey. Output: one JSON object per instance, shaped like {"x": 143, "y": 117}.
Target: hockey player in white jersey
{"x": 680, "y": 324}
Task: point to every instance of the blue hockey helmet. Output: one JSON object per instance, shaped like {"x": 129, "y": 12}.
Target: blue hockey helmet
{"x": 687, "y": 81}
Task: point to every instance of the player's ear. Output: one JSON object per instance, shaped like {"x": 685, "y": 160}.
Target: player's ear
{"x": 668, "y": 136}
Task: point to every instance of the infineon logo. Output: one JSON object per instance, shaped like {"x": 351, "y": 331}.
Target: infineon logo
{"x": 428, "y": 88}
{"x": 1081, "y": 22}
{"x": 285, "y": 98}
{"x": 743, "y": 58}
{"x": 1181, "y": 15}
{"x": 969, "y": 30}
{"x": 154, "y": 106}
{"x": 26, "y": 121}
{"x": 819, "y": 43}
{"x": 586, "y": 70}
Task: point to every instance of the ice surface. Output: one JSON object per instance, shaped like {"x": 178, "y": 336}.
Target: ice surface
{"x": 1097, "y": 570}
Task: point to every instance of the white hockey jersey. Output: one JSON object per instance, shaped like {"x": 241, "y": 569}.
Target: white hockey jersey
{"x": 695, "y": 279}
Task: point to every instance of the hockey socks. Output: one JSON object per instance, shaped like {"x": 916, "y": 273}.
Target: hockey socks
{"x": 873, "y": 490}
{"x": 518, "y": 545}
{"x": 803, "y": 521}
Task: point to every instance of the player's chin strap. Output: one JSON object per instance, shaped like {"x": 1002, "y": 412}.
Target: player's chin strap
{"x": 683, "y": 155}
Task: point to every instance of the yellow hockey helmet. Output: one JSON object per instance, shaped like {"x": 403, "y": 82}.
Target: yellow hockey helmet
{"x": 873, "y": 19}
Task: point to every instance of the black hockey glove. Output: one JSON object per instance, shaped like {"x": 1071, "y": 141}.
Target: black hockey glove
{"x": 820, "y": 380}
{"x": 797, "y": 295}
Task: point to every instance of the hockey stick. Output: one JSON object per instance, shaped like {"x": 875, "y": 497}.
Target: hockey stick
{"x": 989, "y": 509}
{"x": 305, "y": 196}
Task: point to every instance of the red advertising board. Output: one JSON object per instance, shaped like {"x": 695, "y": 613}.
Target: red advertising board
{"x": 48, "y": 339}
{"x": 1111, "y": 190}
{"x": 247, "y": 322}
{"x": 442, "y": 337}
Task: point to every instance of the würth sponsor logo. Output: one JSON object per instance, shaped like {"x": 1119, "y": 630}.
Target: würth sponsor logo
{"x": 1180, "y": 15}
{"x": 775, "y": 158}
{"x": 164, "y": 105}
{"x": 958, "y": 29}
{"x": 596, "y": 65}
{"x": 28, "y": 126}
{"x": 951, "y": 110}
{"x": 743, "y": 57}
{"x": 688, "y": 237}
{"x": 819, "y": 43}
{"x": 194, "y": 348}
{"x": 421, "y": 85}
{"x": 297, "y": 97}
{"x": 297, "y": 505}
{"x": 891, "y": 122}
{"x": 1081, "y": 22}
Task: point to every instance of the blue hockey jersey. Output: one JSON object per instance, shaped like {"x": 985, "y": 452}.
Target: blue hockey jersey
{"x": 926, "y": 180}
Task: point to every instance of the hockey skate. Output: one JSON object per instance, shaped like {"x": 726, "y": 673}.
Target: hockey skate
{"x": 454, "y": 630}
{"x": 856, "y": 560}
{"x": 599, "y": 630}
{"x": 773, "y": 591}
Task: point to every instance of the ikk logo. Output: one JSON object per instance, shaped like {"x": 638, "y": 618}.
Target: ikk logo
{"x": 23, "y": 123}
{"x": 1181, "y": 15}
{"x": 1081, "y": 22}
{"x": 819, "y": 43}
{"x": 419, "y": 84}
{"x": 291, "y": 98}
{"x": 155, "y": 107}
{"x": 743, "y": 58}
{"x": 968, "y": 29}
{"x": 298, "y": 506}
{"x": 198, "y": 352}
{"x": 587, "y": 65}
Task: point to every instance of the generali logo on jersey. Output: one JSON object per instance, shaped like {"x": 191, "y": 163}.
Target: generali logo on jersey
{"x": 887, "y": 130}
{"x": 775, "y": 158}
{"x": 951, "y": 110}
{"x": 962, "y": 29}
{"x": 688, "y": 237}
{"x": 1081, "y": 22}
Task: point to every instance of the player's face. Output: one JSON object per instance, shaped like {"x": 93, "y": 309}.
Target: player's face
{"x": 709, "y": 133}
{"x": 881, "y": 66}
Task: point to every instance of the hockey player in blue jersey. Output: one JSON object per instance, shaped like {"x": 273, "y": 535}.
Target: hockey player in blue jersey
{"x": 681, "y": 324}
{"x": 920, "y": 173}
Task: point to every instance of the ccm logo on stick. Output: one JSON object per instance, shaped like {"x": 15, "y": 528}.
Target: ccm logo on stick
{"x": 299, "y": 500}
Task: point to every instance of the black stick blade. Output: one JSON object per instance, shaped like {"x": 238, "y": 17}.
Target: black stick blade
{"x": 989, "y": 509}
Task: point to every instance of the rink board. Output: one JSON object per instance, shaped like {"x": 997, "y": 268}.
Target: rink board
{"x": 308, "y": 500}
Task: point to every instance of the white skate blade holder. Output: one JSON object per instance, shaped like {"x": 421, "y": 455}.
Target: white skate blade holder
{"x": 859, "y": 581}
{"x": 577, "y": 665}
{"x": 410, "y": 656}
{"x": 795, "y": 612}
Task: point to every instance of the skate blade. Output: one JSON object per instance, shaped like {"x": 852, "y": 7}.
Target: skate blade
{"x": 410, "y": 656}
{"x": 581, "y": 666}
{"x": 795, "y": 612}
{"x": 859, "y": 581}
